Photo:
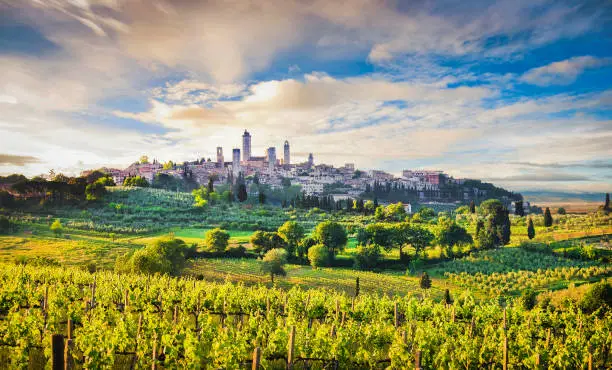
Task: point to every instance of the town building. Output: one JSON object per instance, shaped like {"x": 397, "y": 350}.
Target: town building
{"x": 236, "y": 161}
{"x": 287, "y": 154}
{"x": 246, "y": 146}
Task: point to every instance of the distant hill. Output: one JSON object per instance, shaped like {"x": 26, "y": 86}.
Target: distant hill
{"x": 557, "y": 196}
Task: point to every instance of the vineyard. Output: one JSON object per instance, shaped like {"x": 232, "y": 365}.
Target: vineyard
{"x": 104, "y": 320}
{"x": 511, "y": 270}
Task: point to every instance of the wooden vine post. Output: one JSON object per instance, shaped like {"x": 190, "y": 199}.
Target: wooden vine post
{"x": 256, "y": 358}
{"x": 395, "y": 315}
{"x": 590, "y": 361}
{"x": 68, "y": 363}
{"x": 291, "y": 347}
{"x": 57, "y": 352}
{"x": 93, "y": 293}
{"x": 417, "y": 360}
{"x": 505, "y": 354}
{"x": 154, "y": 365}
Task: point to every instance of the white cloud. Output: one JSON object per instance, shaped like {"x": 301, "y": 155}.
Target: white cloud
{"x": 564, "y": 72}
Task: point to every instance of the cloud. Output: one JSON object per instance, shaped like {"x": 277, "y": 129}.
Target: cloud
{"x": 592, "y": 164}
{"x": 17, "y": 160}
{"x": 564, "y": 72}
{"x": 229, "y": 40}
{"x": 542, "y": 177}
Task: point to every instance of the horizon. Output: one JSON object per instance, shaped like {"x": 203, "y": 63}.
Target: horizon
{"x": 515, "y": 93}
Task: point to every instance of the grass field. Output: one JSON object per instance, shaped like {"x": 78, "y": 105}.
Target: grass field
{"x": 194, "y": 236}
{"x": 340, "y": 279}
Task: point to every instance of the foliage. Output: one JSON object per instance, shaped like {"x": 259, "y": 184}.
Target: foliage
{"x": 496, "y": 230}
{"x": 528, "y": 299}
{"x": 425, "y": 281}
{"x": 332, "y": 235}
{"x": 530, "y": 229}
{"x": 599, "y": 296}
{"x": 548, "y": 220}
{"x": 242, "y": 193}
{"x": 200, "y": 197}
{"x": 57, "y": 228}
{"x": 263, "y": 241}
{"x": 165, "y": 255}
{"x": 367, "y": 256}
{"x": 292, "y": 233}
{"x": 561, "y": 211}
{"x": 318, "y": 255}
{"x": 216, "y": 240}
{"x": 447, "y": 297}
{"x": 95, "y": 191}
{"x": 137, "y": 181}
{"x": 449, "y": 234}
{"x": 365, "y": 333}
{"x": 5, "y": 225}
{"x": 273, "y": 262}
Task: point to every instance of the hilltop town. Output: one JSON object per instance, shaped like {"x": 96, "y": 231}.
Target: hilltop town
{"x": 346, "y": 182}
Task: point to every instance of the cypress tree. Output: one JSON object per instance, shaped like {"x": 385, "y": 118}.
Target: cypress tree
{"x": 357, "y": 286}
{"x": 242, "y": 193}
{"x": 262, "y": 197}
{"x": 425, "y": 282}
{"x": 548, "y": 220}
{"x": 211, "y": 187}
{"x": 447, "y": 297}
{"x": 530, "y": 229}
{"x": 472, "y": 207}
{"x": 607, "y": 203}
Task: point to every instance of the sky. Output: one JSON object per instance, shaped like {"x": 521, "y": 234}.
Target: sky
{"x": 515, "y": 92}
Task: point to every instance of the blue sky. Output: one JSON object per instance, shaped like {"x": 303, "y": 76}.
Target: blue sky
{"x": 515, "y": 92}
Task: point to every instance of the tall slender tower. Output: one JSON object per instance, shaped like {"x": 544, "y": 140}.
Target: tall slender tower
{"x": 310, "y": 160}
{"x": 236, "y": 161}
{"x": 246, "y": 146}
{"x": 287, "y": 156}
{"x": 271, "y": 158}
{"x": 220, "y": 159}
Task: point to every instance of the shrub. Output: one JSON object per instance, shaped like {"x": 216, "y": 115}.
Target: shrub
{"x": 5, "y": 225}
{"x": 367, "y": 256}
{"x": 216, "y": 240}
{"x": 332, "y": 235}
{"x": 236, "y": 252}
{"x": 274, "y": 262}
{"x": 318, "y": 255}
{"x": 166, "y": 256}
{"x": 425, "y": 282}
{"x": 57, "y": 227}
{"x": 598, "y": 296}
{"x": 528, "y": 299}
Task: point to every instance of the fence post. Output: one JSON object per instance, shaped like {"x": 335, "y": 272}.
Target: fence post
{"x": 537, "y": 360}
{"x": 126, "y": 300}
{"x": 93, "y": 293}
{"x": 337, "y": 309}
{"x": 291, "y": 347}
{"x": 590, "y": 361}
{"x": 417, "y": 360}
{"x": 256, "y": 358}
{"x": 154, "y": 365}
{"x": 395, "y": 315}
{"x": 46, "y": 299}
{"x": 472, "y": 326}
{"x": 505, "y": 360}
{"x": 69, "y": 329}
{"x": 175, "y": 316}
{"x": 453, "y": 315}
{"x": 57, "y": 351}
{"x": 68, "y": 363}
